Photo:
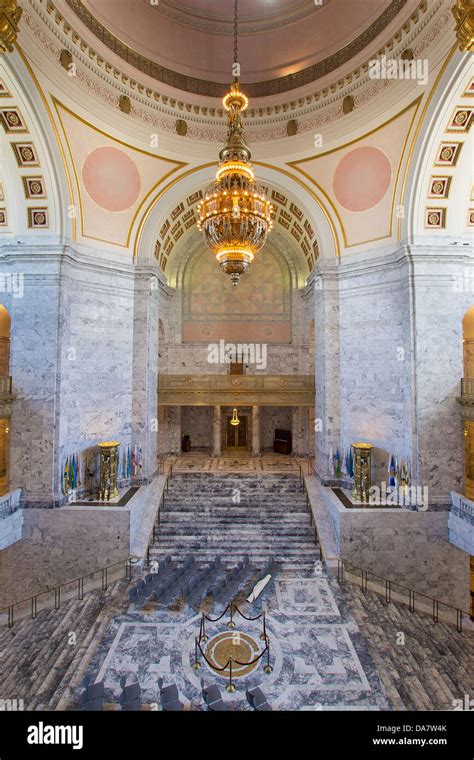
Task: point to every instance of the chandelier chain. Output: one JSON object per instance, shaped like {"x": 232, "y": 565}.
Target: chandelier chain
{"x": 236, "y": 31}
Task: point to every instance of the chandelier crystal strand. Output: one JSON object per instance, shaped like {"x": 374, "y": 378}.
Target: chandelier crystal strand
{"x": 235, "y": 215}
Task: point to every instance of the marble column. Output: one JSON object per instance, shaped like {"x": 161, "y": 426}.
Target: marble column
{"x": 144, "y": 422}
{"x": 216, "y": 444}
{"x": 256, "y": 450}
{"x": 327, "y": 361}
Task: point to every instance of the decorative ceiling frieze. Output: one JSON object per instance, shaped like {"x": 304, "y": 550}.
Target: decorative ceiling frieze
{"x": 254, "y": 90}
{"x": 314, "y": 111}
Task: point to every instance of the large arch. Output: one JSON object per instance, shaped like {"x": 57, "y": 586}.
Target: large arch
{"x": 38, "y": 191}
{"x": 193, "y": 180}
{"x": 430, "y": 181}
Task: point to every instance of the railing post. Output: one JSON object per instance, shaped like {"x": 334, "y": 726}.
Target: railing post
{"x": 268, "y": 668}
{"x": 33, "y": 606}
{"x": 104, "y": 579}
{"x": 388, "y": 591}
{"x": 411, "y": 603}
{"x": 57, "y": 597}
{"x": 435, "y": 610}
{"x": 459, "y": 620}
{"x": 129, "y": 569}
{"x": 80, "y": 589}
{"x": 196, "y": 664}
{"x": 203, "y": 636}
{"x": 10, "y": 616}
{"x": 231, "y": 623}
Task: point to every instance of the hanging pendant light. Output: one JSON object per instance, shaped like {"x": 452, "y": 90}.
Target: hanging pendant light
{"x": 235, "y": 214}
{"x": 235, "y": 420}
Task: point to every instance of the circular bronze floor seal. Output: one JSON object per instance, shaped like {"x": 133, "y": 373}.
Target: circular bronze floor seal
{"x": 236, "y": 645}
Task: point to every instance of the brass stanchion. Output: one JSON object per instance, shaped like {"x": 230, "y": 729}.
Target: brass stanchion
{"x": 230, "y": 686}
{"x": 231, "y": 623}
{"x": 268, "y": 668}
{"x": 203, "y": 636}
{"x": 196, "y": 664}
{"x": 263, "y": 635}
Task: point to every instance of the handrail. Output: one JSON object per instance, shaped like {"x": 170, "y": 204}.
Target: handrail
{"x": 156, "y": 522}
{"x": 129, "y": 560}
{"x": 388, "y": 582}
{"x": 33, "y": 600}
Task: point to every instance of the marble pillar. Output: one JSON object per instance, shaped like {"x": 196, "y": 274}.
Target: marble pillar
{"x": 256, "y": 448}
{"x": 216, "y": 442}
{"x": 327, "y": 361}
{"x": 144, "y": 420}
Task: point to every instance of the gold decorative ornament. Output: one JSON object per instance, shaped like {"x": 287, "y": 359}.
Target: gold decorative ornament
{"x": 362, "y": 470}
{"x": 463, "y": 13}
{"x": 109, "y": 459}
{"x": 10, "y": 15}
{"x": 125, "y": 104}
{"x": 235, "y": 420}
{"x": 235, "y": 214}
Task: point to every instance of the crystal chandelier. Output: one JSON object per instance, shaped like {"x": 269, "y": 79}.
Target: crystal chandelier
{"x": 235, "y": 214}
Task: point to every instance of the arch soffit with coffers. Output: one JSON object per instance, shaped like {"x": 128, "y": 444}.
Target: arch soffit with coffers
{"x": 324, "y": 226}
{"x": 38, "y": 187}
{"x": 439, "y": 194}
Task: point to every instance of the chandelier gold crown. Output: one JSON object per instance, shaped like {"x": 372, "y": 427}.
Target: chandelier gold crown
{"x": 235, "y": 215}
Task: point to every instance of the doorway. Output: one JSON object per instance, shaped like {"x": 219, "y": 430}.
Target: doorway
{"x": 236, "y": 435}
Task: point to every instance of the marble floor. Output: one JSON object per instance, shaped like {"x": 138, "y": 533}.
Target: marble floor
{"x": 240, "y": 462}
{"x": 319, "y": 658}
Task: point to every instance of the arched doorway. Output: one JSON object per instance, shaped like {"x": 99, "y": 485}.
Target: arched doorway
{"x": 5, "y": 324}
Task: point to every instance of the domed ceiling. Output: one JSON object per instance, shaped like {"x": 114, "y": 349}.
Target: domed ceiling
{"x": 283, "y": 44}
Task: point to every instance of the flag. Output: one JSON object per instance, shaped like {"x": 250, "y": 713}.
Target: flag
{"x": 129, "y": 461}
{"x": 140, "y": 460}
{"x": 350, "y": 464}
{"x": 337, "y": 464}
{"x": 391, "y": 473}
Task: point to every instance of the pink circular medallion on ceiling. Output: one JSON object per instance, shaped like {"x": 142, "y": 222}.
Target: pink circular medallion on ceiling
{"x": 111, "y": 179}
{"x": 362, "y": 178}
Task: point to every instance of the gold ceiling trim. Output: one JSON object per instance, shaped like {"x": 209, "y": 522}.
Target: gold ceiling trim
{"x": 463, "y": 13}
{"x": 414, "y": 104}
{"x": 216, "y": 89}
{"x": 177, "y": 166}
{"x": 417, "y": 132}
{"x": 10, "y": 15}
{"x": 195, "y": 169}
{"x": 55, "y": 129}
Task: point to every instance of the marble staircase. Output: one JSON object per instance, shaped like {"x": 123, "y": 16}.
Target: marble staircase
{"x": 263, "y": 516}
{"x": 423, "y": 665}
{"x": 43, "y": 661}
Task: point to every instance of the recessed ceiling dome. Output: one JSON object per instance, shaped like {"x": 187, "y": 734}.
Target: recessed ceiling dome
{"x": 284, "y": 44}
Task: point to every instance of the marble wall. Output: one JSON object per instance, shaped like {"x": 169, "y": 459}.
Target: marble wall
{"x": 84, "y": 361}
{"x": 389, "y": 360}
{"x": 61, "y": 545}
{"x": 409, "y": 547}
{"x": 196, "y": 421}
{"x": 376, "y": 357}
{"x": 443, "y": 278}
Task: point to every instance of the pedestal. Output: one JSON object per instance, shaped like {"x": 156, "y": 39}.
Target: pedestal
{"x": 109, "y": 458}
{"x": 362, "y": 470}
